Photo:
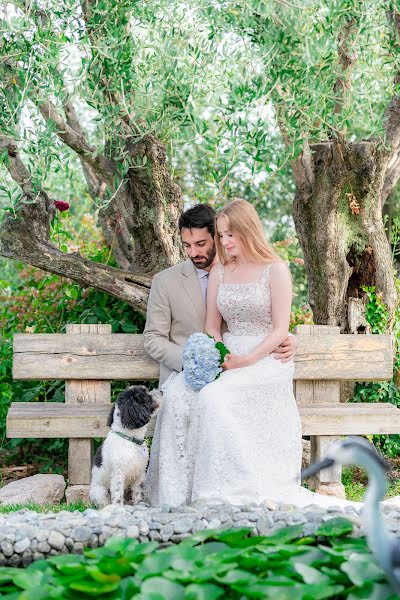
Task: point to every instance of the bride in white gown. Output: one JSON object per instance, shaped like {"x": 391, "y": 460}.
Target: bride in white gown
{"x": 238, "y": 440}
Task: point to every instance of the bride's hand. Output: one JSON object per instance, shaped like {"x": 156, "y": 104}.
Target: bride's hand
{"x": 233, "y": 361}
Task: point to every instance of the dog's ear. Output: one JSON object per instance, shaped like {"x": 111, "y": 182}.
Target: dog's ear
{"x": 111, "y": 416}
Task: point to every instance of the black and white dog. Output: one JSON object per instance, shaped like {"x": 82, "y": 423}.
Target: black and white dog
{"x": 120, "y": 462}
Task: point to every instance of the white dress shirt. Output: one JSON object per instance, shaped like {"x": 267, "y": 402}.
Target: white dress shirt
{"x": 202, "y": 274}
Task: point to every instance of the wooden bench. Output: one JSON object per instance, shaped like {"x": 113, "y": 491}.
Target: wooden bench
{"x": 89, "y": 357}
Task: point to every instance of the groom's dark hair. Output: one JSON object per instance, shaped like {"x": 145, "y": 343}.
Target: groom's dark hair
{"x": 199, "y": 216}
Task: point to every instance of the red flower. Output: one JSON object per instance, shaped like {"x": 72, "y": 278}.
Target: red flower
{"x": 61, "y": 205}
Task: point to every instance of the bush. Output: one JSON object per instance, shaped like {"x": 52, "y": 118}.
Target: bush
{"x": 385, "y": 391}
{"x": 211, "y": 565}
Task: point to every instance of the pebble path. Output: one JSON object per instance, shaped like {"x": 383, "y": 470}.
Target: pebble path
{"x": 26, "y": 535}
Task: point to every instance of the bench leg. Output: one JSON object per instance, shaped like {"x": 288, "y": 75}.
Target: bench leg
{"x": 80, "y": 455}
{"x": 328, "y": 481}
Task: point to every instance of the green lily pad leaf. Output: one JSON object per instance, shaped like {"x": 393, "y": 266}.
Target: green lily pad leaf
{"x": 94, "y": 588}
{"x": 237, "y": 576}
{"x": 361, "y": 569}
{"x": 26, "y": 580}
{"x": 335, "y": 527}
{"x": 128, "y": 587}
{"x": 286, "y": 534}
{"x": 7, "y": 574}
{"x": 98, "y": 575}
{"x": 216, "y": 548}
{"x": 154, "y": 564}
{"x": 373, "y": 591}
{"x": 232, "y": 536}
{"x": 203, "y": 591}
{"x": 309, "y": 574}
{"x": 168, "y": 590}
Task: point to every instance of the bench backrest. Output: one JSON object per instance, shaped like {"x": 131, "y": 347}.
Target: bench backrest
{"x": 107, "y": 356}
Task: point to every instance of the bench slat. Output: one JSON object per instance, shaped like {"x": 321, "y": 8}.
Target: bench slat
{"x": 122, "y": 357}
{"x": 53, "y": 419}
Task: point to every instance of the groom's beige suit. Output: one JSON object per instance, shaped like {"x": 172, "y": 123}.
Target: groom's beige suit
{"x": 175, "y": 310}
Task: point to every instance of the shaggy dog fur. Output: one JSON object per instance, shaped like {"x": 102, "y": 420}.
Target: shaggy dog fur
{"x": 120, "y": 464}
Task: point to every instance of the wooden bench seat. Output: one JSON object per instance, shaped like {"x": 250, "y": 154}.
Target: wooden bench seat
{"x": 55, "y": 419}
{"x": 90, "y": 357}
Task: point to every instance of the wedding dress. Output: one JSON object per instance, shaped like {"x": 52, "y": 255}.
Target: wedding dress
{"x": 238, "y": 440}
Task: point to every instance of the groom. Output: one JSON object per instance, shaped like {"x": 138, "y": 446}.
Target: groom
{"x": 177, "y": 301}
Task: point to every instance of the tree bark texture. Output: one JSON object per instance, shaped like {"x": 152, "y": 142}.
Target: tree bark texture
{"x": 338, "y": 217}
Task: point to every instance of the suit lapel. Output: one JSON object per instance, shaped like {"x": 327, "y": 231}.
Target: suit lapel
{"x": 191, "y": 284}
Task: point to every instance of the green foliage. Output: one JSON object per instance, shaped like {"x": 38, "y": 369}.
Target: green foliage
{"x": 33, "y": 301}
{"x": 355, "y": 481}
{"x": 209, "y": 565}
{"x": 386, "y": 391}
{"x": 375, "y": 310}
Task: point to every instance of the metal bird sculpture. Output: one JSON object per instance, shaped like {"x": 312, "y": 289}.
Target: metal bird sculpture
{"x": 384, "y": 545}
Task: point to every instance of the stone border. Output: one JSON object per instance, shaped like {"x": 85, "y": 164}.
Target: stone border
{"x": 26, "y": 535}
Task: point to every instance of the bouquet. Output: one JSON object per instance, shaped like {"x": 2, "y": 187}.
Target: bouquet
{"x": 202, "y": 360}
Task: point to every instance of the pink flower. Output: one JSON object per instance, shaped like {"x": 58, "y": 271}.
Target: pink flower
{"x": 61, "y": 205}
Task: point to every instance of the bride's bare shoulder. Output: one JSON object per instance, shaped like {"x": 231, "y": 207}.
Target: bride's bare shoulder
{"x": 280, "y": 268}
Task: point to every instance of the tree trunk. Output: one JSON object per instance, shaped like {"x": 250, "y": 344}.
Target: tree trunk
{"x": 338, "y": 217}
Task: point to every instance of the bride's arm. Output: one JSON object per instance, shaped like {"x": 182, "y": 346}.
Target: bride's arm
{"x": 281, "y": 301}
{"x": 213, "y": 316}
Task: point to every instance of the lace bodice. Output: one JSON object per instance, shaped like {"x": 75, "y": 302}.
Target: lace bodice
{"x": 246, "y": 307}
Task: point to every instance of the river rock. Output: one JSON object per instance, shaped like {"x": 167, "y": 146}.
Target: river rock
{"x": 40, "y": 489}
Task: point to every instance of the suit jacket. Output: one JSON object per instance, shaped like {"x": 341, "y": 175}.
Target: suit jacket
{"x": 175, "y": 310}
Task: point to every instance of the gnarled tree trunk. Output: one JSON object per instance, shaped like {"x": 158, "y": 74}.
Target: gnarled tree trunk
{"x": 338, "y": 217}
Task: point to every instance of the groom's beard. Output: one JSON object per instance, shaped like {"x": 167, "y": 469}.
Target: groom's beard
{"x": 202, "y": 262}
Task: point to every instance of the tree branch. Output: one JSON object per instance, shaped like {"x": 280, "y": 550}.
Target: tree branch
{"x": 392, "y": 114}
{"x": 105, "y": 167}
{"x": 392, "y": 176}
{"x": 96, "y": 185}
{"x": 346, "y": 61}
{"x": 26, "y": 238}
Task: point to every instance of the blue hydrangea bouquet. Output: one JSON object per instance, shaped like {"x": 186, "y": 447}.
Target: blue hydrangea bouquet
{"x": 202, "y": 360}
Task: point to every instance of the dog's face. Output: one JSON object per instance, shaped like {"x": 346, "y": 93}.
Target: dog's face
{"x": 134, "y": 407}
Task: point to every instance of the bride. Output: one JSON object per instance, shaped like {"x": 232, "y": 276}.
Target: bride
{"x": 238, "y": 440}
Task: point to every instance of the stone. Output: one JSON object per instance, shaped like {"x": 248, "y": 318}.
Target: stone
{"x": 331, "y": 489}
{"x": 77, "y": 493}
{"x": 56, "y": 540}
{"x": 81, "y": 534}
{"x": 155, "y": 536}
{"x": 43, "y": 547}
{"x": 182, "y": 525}
{"x": 167, "y": 531}
{"x": 143, "y": 527}
{"x": 40, "y": 489}
{"x": 22, "y": 545}
{"x": 132, "y": 532}
{"x": 38, "y": 556}
{"x": 214, "y": 524}
{"x": 7, "y": 548}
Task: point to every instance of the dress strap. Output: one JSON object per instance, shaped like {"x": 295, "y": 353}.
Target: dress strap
{"x": 221, "y": 273}
{"x": 265, "y": 273}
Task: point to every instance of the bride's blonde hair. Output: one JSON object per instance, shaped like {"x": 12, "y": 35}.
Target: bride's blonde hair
{"x": 245, "y": 224}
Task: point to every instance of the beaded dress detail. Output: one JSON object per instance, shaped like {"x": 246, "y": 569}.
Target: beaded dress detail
{"x": 238, "y": 440}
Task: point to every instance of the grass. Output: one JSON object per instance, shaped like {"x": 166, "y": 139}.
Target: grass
{"x": 81, "y": 506}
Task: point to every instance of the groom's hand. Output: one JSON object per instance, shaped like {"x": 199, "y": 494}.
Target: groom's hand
{"x": 287, "y": 349}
